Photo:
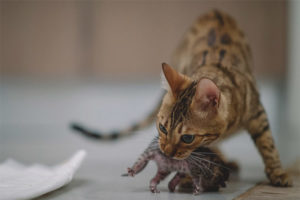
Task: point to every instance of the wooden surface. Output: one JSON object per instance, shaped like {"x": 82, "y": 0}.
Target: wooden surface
{"x": 265, "y": 191}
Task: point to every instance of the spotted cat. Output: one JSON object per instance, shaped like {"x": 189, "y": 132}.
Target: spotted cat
{"x": 211, "y": 94}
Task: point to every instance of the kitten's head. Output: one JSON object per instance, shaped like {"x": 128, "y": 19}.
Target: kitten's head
{"x": 190, "y": 114}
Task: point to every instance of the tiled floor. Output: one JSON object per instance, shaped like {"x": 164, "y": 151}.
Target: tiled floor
{"x": 35, "y": 119}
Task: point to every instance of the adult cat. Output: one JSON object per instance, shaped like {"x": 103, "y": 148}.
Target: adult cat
{"x": 211, "y": 94}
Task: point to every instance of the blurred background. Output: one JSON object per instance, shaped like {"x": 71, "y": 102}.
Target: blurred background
{"x": 125, "y": 40}
{"x": 99, "y": 62}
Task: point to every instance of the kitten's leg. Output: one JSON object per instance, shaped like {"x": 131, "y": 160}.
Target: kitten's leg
{"x": 259, "y": 129}
{"x": 160, "y": 175}
{"x": 197, "y": 185}
{"x": 175, "y": 181}
{"x": 139, "y": 165}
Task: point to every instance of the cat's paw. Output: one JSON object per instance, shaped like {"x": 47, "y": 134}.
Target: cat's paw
{"x": 130, "y": 172}
{"x": 278, "y": 177}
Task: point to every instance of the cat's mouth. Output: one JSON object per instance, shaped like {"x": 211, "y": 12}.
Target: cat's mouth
{"x": 180, "y": 156}
{"x": 173, "y": 153}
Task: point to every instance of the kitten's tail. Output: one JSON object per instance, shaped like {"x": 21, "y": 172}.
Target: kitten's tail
{"x": 113, "y": 135}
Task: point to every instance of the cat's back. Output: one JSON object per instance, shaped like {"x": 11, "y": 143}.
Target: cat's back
{"x": 214, "y": 39}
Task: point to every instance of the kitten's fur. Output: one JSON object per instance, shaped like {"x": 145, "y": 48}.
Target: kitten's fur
{"x": 204, "y": 166}
{"x": 212, "y": 94}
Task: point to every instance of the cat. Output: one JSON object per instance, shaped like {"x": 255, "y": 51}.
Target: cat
{"x": 210, "y": 95}
{"x": 204, "y": 166}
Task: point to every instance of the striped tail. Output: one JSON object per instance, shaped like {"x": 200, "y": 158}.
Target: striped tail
{"x": 113, "y": 135}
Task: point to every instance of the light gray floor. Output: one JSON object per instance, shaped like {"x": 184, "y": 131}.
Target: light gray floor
{"x": 34, "y": 128}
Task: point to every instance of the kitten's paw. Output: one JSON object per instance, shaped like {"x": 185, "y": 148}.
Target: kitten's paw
{"x": 278, "y": 177}
{"x": 130, "y": 172}
{"x": 154, "y": 189}
{"x": 197, "y": 190}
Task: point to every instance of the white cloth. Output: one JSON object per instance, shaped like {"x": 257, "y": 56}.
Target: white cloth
{"x": 18, "y": 181}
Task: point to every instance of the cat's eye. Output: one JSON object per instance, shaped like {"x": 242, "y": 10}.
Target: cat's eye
{"x": 187, "y": 138}
{"x": 163, "y": 129}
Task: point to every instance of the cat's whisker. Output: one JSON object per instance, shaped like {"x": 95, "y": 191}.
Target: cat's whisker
{"x": 200, "y": 163}
{"x": 204, "y": 169}
{"x": 213, "y": 163}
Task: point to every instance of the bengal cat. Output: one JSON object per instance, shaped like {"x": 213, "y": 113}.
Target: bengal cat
{"x": 211, "y": 94}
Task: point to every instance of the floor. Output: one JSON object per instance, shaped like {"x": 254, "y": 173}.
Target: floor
{"x": 35, "y": 128}
{"x": 263, "y": 191}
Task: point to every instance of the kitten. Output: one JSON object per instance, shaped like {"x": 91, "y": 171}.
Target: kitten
{"x": 206, "y": 169}
{"x": 211, "y": 95}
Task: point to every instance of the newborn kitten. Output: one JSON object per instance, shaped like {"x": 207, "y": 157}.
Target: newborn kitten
{"x": 204, "y": 166}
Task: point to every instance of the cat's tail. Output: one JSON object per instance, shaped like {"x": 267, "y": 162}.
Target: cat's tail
{"x": 113, "y": 135}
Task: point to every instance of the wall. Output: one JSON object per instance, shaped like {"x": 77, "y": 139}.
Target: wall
{"x": 290, "y": 136}
{"x": 124, "y": 39}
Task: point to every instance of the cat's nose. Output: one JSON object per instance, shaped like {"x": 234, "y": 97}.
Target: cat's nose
{"x": 169, "y": 151}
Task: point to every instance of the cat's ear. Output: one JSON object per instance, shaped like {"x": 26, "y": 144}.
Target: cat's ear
{"x": 207, "y": 97}
{"x": 175, "y": 80}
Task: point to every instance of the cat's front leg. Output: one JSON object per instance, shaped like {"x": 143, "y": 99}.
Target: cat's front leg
{"x": 160, "y": 175}
{"x": 259, "y": 129}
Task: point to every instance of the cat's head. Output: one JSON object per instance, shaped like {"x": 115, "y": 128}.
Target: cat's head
{"x": 190, "y": 115}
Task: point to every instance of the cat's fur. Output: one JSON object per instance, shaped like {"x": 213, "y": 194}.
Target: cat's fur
{"x": 212, "y": 94}
{"x": 204, "y": 166}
